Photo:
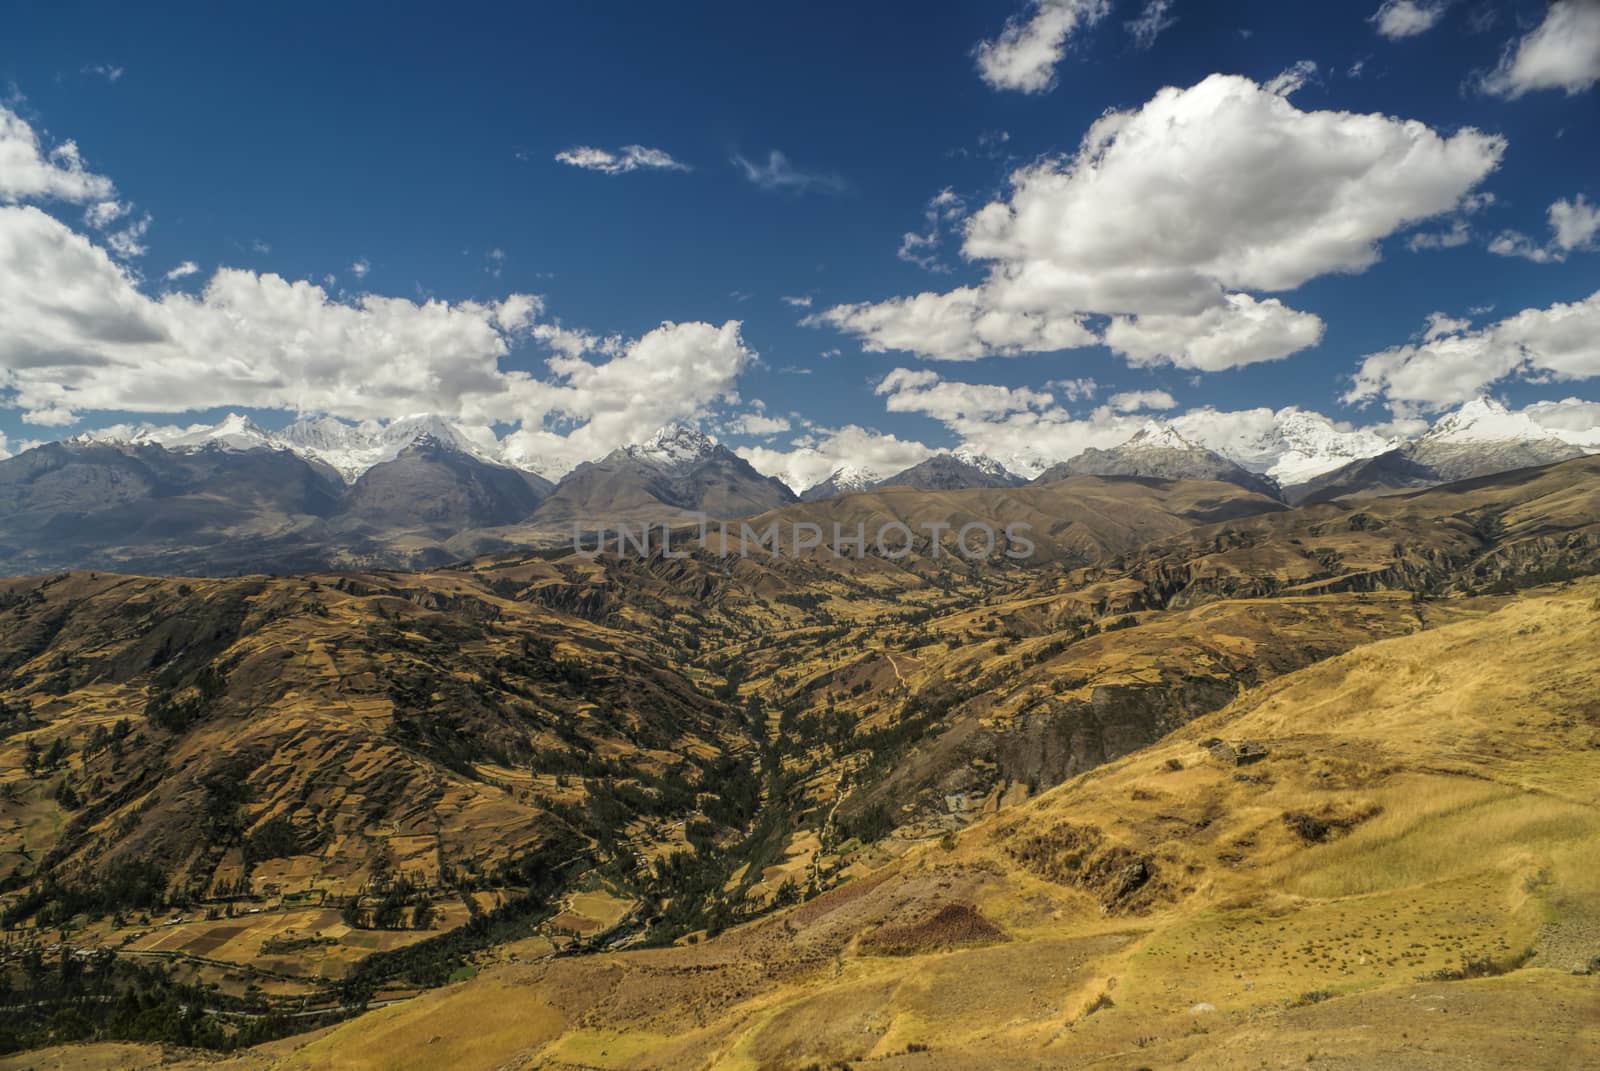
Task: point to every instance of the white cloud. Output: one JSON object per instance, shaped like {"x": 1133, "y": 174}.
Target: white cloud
{"x": 1025, "y": 55}
{"x": 945, "y": 209}
{"x": 1075, "y": 390}
{"x": 676, "y": 372}
{"x": 1292, "y": 79}
{"x": 1152, "y": 22}
{"x": 778, "y": 173}
{"x": 961, "y": 325}
{"x": 360, "y": 268}
{"x": 1171, "y": 212}
{"x": 1459, "y": 234}
{"x": 800, "y": 301}
{"x": 1562, "y": 52}
{"x": 129, "y": 242}
{"x": 628, "y": 158}
{"x": 1574, "y": 419}
{"x": 919, "y": 391}
{"x": 103, "y": 214}
{"x": 758, "y": 424}
{"x": 812, "y": 458}
{"x": 1452, "y": 364}
{"x": 105, "y": 70}
{"x": 1406, "y": 18}
{"x": 81, "y": 336}
{"x": 1575, "y": 223}
{"x": 4, "y": 450}
{"x": 29, "y": 172}
{"x": 1132, "y": 401}
{"x": 1574, "y": 227}
{"x": 1242, "y": 331}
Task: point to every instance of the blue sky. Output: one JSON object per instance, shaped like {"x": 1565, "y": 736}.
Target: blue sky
{"x": 421, "y": 143}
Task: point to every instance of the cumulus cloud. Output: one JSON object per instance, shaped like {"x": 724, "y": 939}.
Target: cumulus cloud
{"x": 1240, "y": 332}
{"x": 81, "y": 337}
{"x": 1025, "y": 55}
{"x": 1152, "y": 22}
{"x": 676, "y": 372}
{"x": 628, "y": 158}
{"x": 1574, "y": 227}
{"x": 821, "y": 452}
{"x": 919, "y": 391}
{"x": 779, "y": 173}
{"x": 757, "y": 423}
{"x": 360, "y": 268}
{"x": 1167, "y": 215}
{"x": 1452, "y": 363}
{"x": 1562, "y": 52}
{"x": 29, "y": 171}
{"x": 961, "y": 325}
{"x": 1132, "y": 401}
{"x": 1406, "y": 18}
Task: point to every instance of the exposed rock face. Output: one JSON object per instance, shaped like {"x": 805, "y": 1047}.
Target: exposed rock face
{"x": 433, "y": 486}
{"x": 1159, "y": 452}
{"x": 677, "y": 469}
{"x": 842, "y": 481}
{"x": 88, "y": 503}
{"x": 954, "y": 472}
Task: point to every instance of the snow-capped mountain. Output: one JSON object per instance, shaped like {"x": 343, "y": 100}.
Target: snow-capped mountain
{"x": 233, "y": 432}
{"x": 1158, "y": 451}
{"x": 1484, "y": 420}
{"x": 954, "y": 471}
{"x": 984, "y": 464}
{"x": 1291, "y": 445}
{"x": 675, "y": 446}
{"x": 675, "y": 469}
{"x": 1480, "y": 438}
{"x": 352, "y": 449}
{"x": 843, "y": 481}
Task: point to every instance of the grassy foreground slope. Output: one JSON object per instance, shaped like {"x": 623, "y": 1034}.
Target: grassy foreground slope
{"x": 1384, "y": 860}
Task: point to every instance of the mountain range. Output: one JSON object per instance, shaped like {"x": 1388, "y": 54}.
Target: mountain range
{"x": 421, "y": 490}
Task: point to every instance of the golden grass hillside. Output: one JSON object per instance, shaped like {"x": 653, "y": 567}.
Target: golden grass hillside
{"x": 1384, "y": 860}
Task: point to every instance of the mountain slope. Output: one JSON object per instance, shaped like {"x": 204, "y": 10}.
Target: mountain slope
{"x": 842, "y": 481}
{"x": 953, "y": 472}
{"x": 1394, "y": 874}
{"x": 677, "y": 471}
{"x": 434, "y": 487}
{"x": 1156, "y": 451}
{"x": 84, "y": 503}
{"x": 1479, "y": 439}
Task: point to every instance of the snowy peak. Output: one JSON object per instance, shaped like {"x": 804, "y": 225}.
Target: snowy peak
{"x": 983, "y": 463}
{"x": 673, "y": 446}
{"x": 1155, "y": 435}
{"x": 844, "y": 480}
{"x": 853, "y": 478}
{"x": 234, "y": 432}
{"x": 1291, "y": 445}
{"x": 1484, "y": 420}
{"x": 352, "y": 449}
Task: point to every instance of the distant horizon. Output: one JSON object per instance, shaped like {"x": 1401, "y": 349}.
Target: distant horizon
{"x": 1557, "y": 421}
{"x": 1022, "y": 230}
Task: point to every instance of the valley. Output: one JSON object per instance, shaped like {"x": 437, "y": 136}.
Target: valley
{"x": 298, "y": 797}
